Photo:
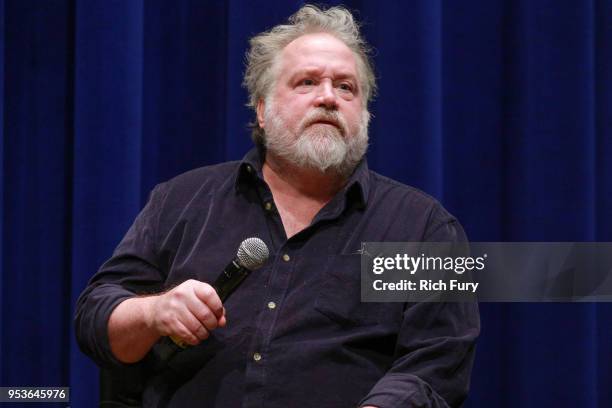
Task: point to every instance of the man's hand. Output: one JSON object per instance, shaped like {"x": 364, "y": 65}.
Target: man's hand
{"x": 189, "y": 311}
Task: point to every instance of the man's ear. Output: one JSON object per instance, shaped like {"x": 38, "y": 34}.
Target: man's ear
{"x": 261, "y": 108}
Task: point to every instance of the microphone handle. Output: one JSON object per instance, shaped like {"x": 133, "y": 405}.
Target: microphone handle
{"x": 226, "y": 283}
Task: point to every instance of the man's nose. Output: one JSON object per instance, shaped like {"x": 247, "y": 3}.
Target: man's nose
{"x": 326, "y": 97}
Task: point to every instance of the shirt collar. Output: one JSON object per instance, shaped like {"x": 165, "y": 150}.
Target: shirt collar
{"x": 356, "y": 190}
{"x": 250, "y": 168}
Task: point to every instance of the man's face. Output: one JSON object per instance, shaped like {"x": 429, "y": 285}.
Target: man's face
{"x": 315, "y": 115}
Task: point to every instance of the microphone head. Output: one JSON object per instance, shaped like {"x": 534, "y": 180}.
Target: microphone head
{"x": 253, "y": 253}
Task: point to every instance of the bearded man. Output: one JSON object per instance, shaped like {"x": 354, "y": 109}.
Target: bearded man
{"x": 295, "y": 333}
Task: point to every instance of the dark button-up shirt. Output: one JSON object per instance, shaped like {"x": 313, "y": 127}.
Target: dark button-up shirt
{"x": 297, "y": 332}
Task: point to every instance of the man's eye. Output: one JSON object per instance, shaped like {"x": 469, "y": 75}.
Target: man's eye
{"x": 307, "y": 82}
{"x": 345, "y": 87}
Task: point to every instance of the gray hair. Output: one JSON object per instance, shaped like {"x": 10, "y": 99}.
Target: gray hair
{"x": 265, "y": 48}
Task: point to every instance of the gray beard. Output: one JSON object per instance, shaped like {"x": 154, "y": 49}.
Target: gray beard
{"x": 319, "y": 146}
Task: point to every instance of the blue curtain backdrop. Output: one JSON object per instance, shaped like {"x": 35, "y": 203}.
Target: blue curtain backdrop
{"x": 500, "y": 108}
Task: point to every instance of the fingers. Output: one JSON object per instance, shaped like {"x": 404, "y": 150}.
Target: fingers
{"x": 202, "y": 313}
{"x": 188, "y": 335}
{"x": 223, "y": 320}
{"x": 190, "y": 311}
{"x": 209, "y": 296}
{"x": 195, "y": 331}
{"x": 208, "y": 302}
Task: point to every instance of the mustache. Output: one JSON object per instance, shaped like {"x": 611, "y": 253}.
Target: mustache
{"x": 325, "y": 116}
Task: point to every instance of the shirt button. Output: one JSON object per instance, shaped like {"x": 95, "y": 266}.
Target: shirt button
{"x": 256, "y": 356}
{"x": 271, "y": 305}
{"x": 286, "y": 258}
{"x": 249, "y": 168}
{"x": 268, "y": 206}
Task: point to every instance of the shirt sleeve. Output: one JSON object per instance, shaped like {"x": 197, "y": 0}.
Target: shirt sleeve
{"x": 435, "y": 347}
{"x": 132, "y": 270}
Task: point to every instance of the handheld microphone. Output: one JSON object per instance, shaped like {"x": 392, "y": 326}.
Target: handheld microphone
{"x": 251, "y": 255}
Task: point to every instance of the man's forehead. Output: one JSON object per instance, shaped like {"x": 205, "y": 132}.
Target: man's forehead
{"x": 314, "y": 69}
{"x": 312, "y": 51}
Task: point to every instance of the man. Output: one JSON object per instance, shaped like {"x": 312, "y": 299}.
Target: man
{"x": 295, "y": 332}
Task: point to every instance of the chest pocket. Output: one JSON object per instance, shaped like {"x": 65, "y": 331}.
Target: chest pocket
{"x": 339, "y": 297}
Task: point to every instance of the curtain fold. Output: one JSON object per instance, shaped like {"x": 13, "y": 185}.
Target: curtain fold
{"x": 107, "y": 147}
{"x": 501, "y": 109}
{"x": 36, "y": 195}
